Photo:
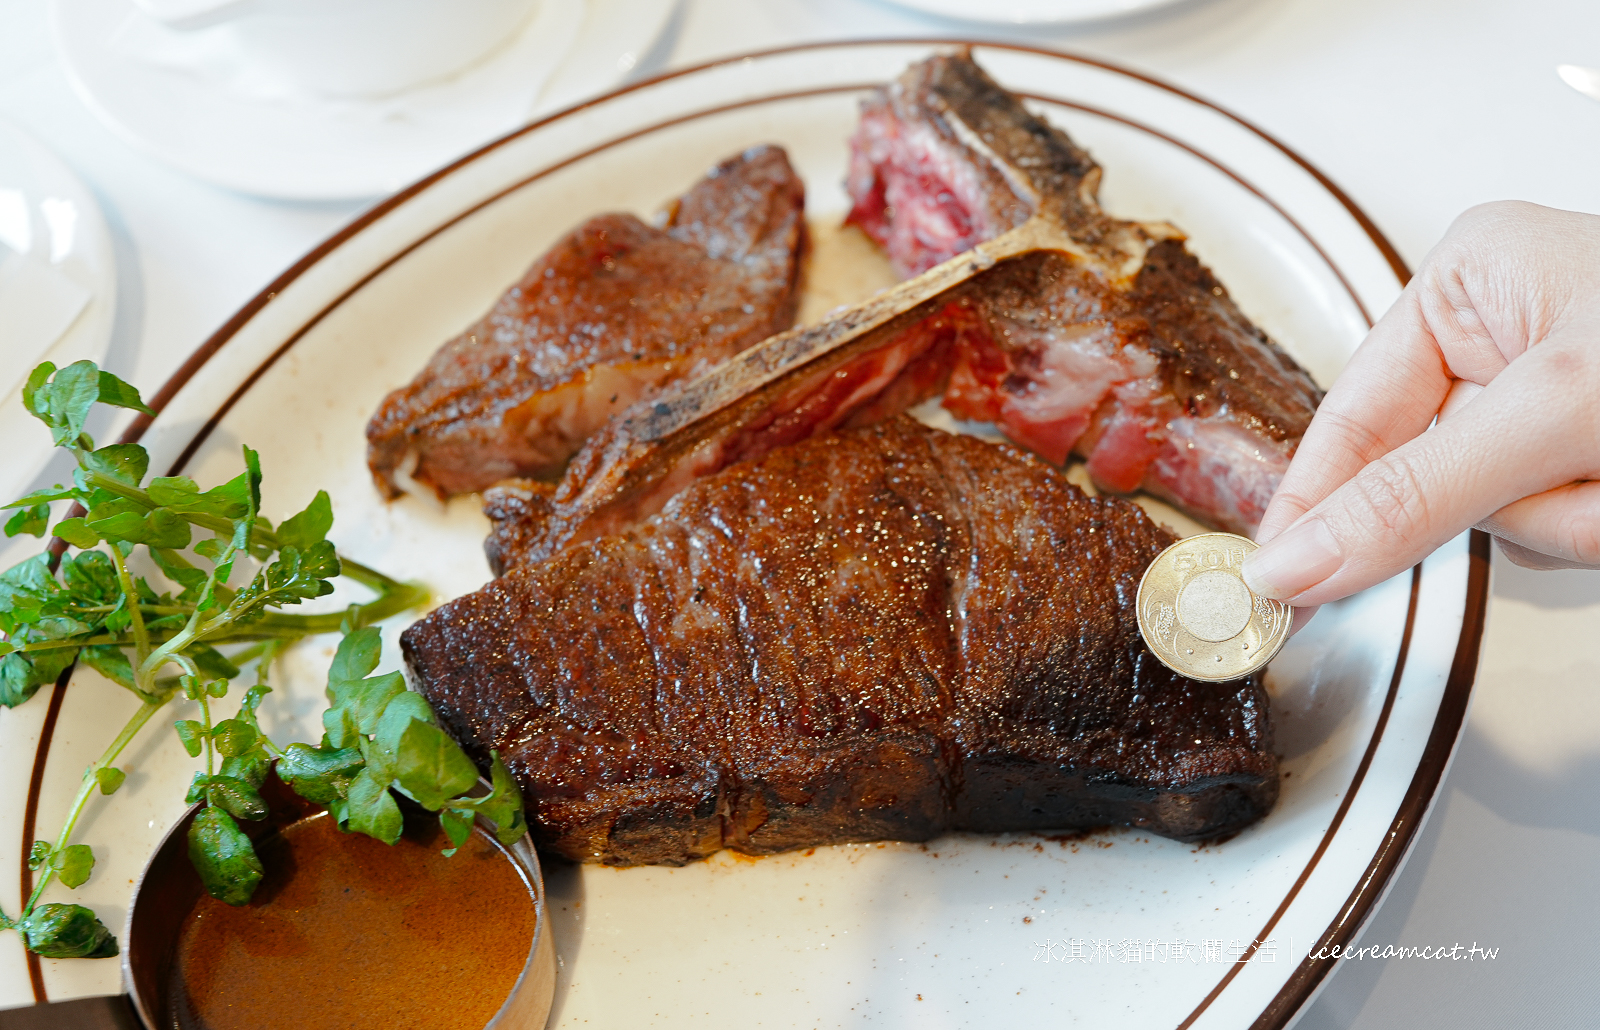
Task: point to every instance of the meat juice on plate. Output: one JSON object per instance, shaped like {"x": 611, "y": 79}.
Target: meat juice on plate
{"x": 346, "y": 931}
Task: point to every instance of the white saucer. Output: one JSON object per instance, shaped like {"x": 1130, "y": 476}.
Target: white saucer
{"x": 1033, "y": 12}
{"x": 299, "y": 148}
{"x": 63, "y": 230}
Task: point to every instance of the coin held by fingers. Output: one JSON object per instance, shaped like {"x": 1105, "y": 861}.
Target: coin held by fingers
{"x": 1200, "y": 619}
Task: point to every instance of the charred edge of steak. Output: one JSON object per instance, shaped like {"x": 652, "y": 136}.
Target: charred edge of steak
{"x": 884, "y": 633}
{"x": 950, "y": 157}
{"x": 677, "y": 823}
{"x": 952, "y": 91}
{"x": 1213, "y": 357}
{"x": 518, "y": 510}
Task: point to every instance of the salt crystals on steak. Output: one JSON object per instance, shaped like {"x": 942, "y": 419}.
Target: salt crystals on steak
{"x": 886, "y": 633}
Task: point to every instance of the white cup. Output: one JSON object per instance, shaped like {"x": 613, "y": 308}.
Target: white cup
{"x": 352, "y": 48}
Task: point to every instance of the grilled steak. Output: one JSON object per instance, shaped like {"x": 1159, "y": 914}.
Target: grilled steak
{"x": 1153, "y": 375}
{"x": 883, "y": 633}
{"x": 612, "y": 312}
{"x": 1129, "y": 352}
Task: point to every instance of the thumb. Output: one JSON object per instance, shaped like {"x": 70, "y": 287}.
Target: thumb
{"x": 1513, "y": 439}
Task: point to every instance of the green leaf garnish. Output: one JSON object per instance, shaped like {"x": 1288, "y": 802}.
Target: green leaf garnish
{"x": 232, "y": 737}
{"x": 371, "y": 809}
{"x": 356, "y": 658}
{"x": 431, "y": 767}
{"x": 73, "y": 864}
{"x": 76, "y": 532}
{"x": 61, "y": 400}
{"x": 223, "y": 856}
{"x": 31, "y": 521}
{"x": 192, "y": 733}
{"x": 55, "y": 493}
{"x": 236, "y": 797}
{"x": 21, "y": 675}
{"x": 457, "y": 827}
{"x": 310, "y": 527}
{"x": 403, "y": 708}
{"x": 504, "y": 803}
{"x": 123, "y": 462}
{"x": 320, "y": 774}
{"x": 110, "y": 662}
{"x": 66, "y": 931}
{"x": 213, "y": 572}
{"x": 109, "y": 778}
{"x": 117, "y": 393}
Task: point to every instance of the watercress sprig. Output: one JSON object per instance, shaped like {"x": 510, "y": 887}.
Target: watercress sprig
{"x": 160, "y": 641}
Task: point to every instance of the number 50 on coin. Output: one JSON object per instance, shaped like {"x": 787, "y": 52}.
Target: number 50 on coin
{"x": 1199, "y": 618}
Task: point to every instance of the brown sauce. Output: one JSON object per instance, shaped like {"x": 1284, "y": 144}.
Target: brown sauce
{"x": 347, "y": 932}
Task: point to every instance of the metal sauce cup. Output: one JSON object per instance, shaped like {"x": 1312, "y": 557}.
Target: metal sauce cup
{"x": 168, "y": 890}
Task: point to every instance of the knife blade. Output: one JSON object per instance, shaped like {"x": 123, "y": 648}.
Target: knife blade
{"x": 1584, "y": 80}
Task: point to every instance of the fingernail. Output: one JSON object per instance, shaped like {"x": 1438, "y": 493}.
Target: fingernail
{"x": 1293, "y": 561}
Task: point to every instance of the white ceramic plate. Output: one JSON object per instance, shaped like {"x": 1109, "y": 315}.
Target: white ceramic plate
{"x": 968, "y": 930}
{"x": 160, "y": 91}
{"x": 1033, "y": 12}
{"x": 48, "y": 215}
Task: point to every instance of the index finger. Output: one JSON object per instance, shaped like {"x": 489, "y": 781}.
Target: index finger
{"x": 1388, "y": 394}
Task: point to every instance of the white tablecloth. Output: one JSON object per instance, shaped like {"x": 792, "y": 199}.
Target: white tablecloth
{"x": 1417, "y": 109}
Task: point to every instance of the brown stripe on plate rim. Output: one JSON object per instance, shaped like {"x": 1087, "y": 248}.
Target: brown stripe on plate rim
{"x": 1338, "y": 816}
{"x": 1366, "y": 316}
{"x": 1414, "y": 806}
{"x": 212, "y": 344}
{"x": 221, "y": 412}
{"x": 228, "y": 330}
{"x": 30, "y": 813}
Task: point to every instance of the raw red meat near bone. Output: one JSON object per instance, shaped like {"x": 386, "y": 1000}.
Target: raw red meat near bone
{"x": 1122, "y": 348}
{"x": 1154, "y": 376}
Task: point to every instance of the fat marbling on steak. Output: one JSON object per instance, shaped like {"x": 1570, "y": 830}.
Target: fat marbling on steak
{"x": 886, "y": 633}
{"x": 611, "y": 313}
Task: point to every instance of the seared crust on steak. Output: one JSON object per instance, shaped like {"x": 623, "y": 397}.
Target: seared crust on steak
{"x": 1122, "y": 348}
{"x": 884, "y": 633}
{"x": 610, "y": 314}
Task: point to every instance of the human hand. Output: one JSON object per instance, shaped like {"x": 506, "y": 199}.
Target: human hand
{"x": 1498, "y": 336}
